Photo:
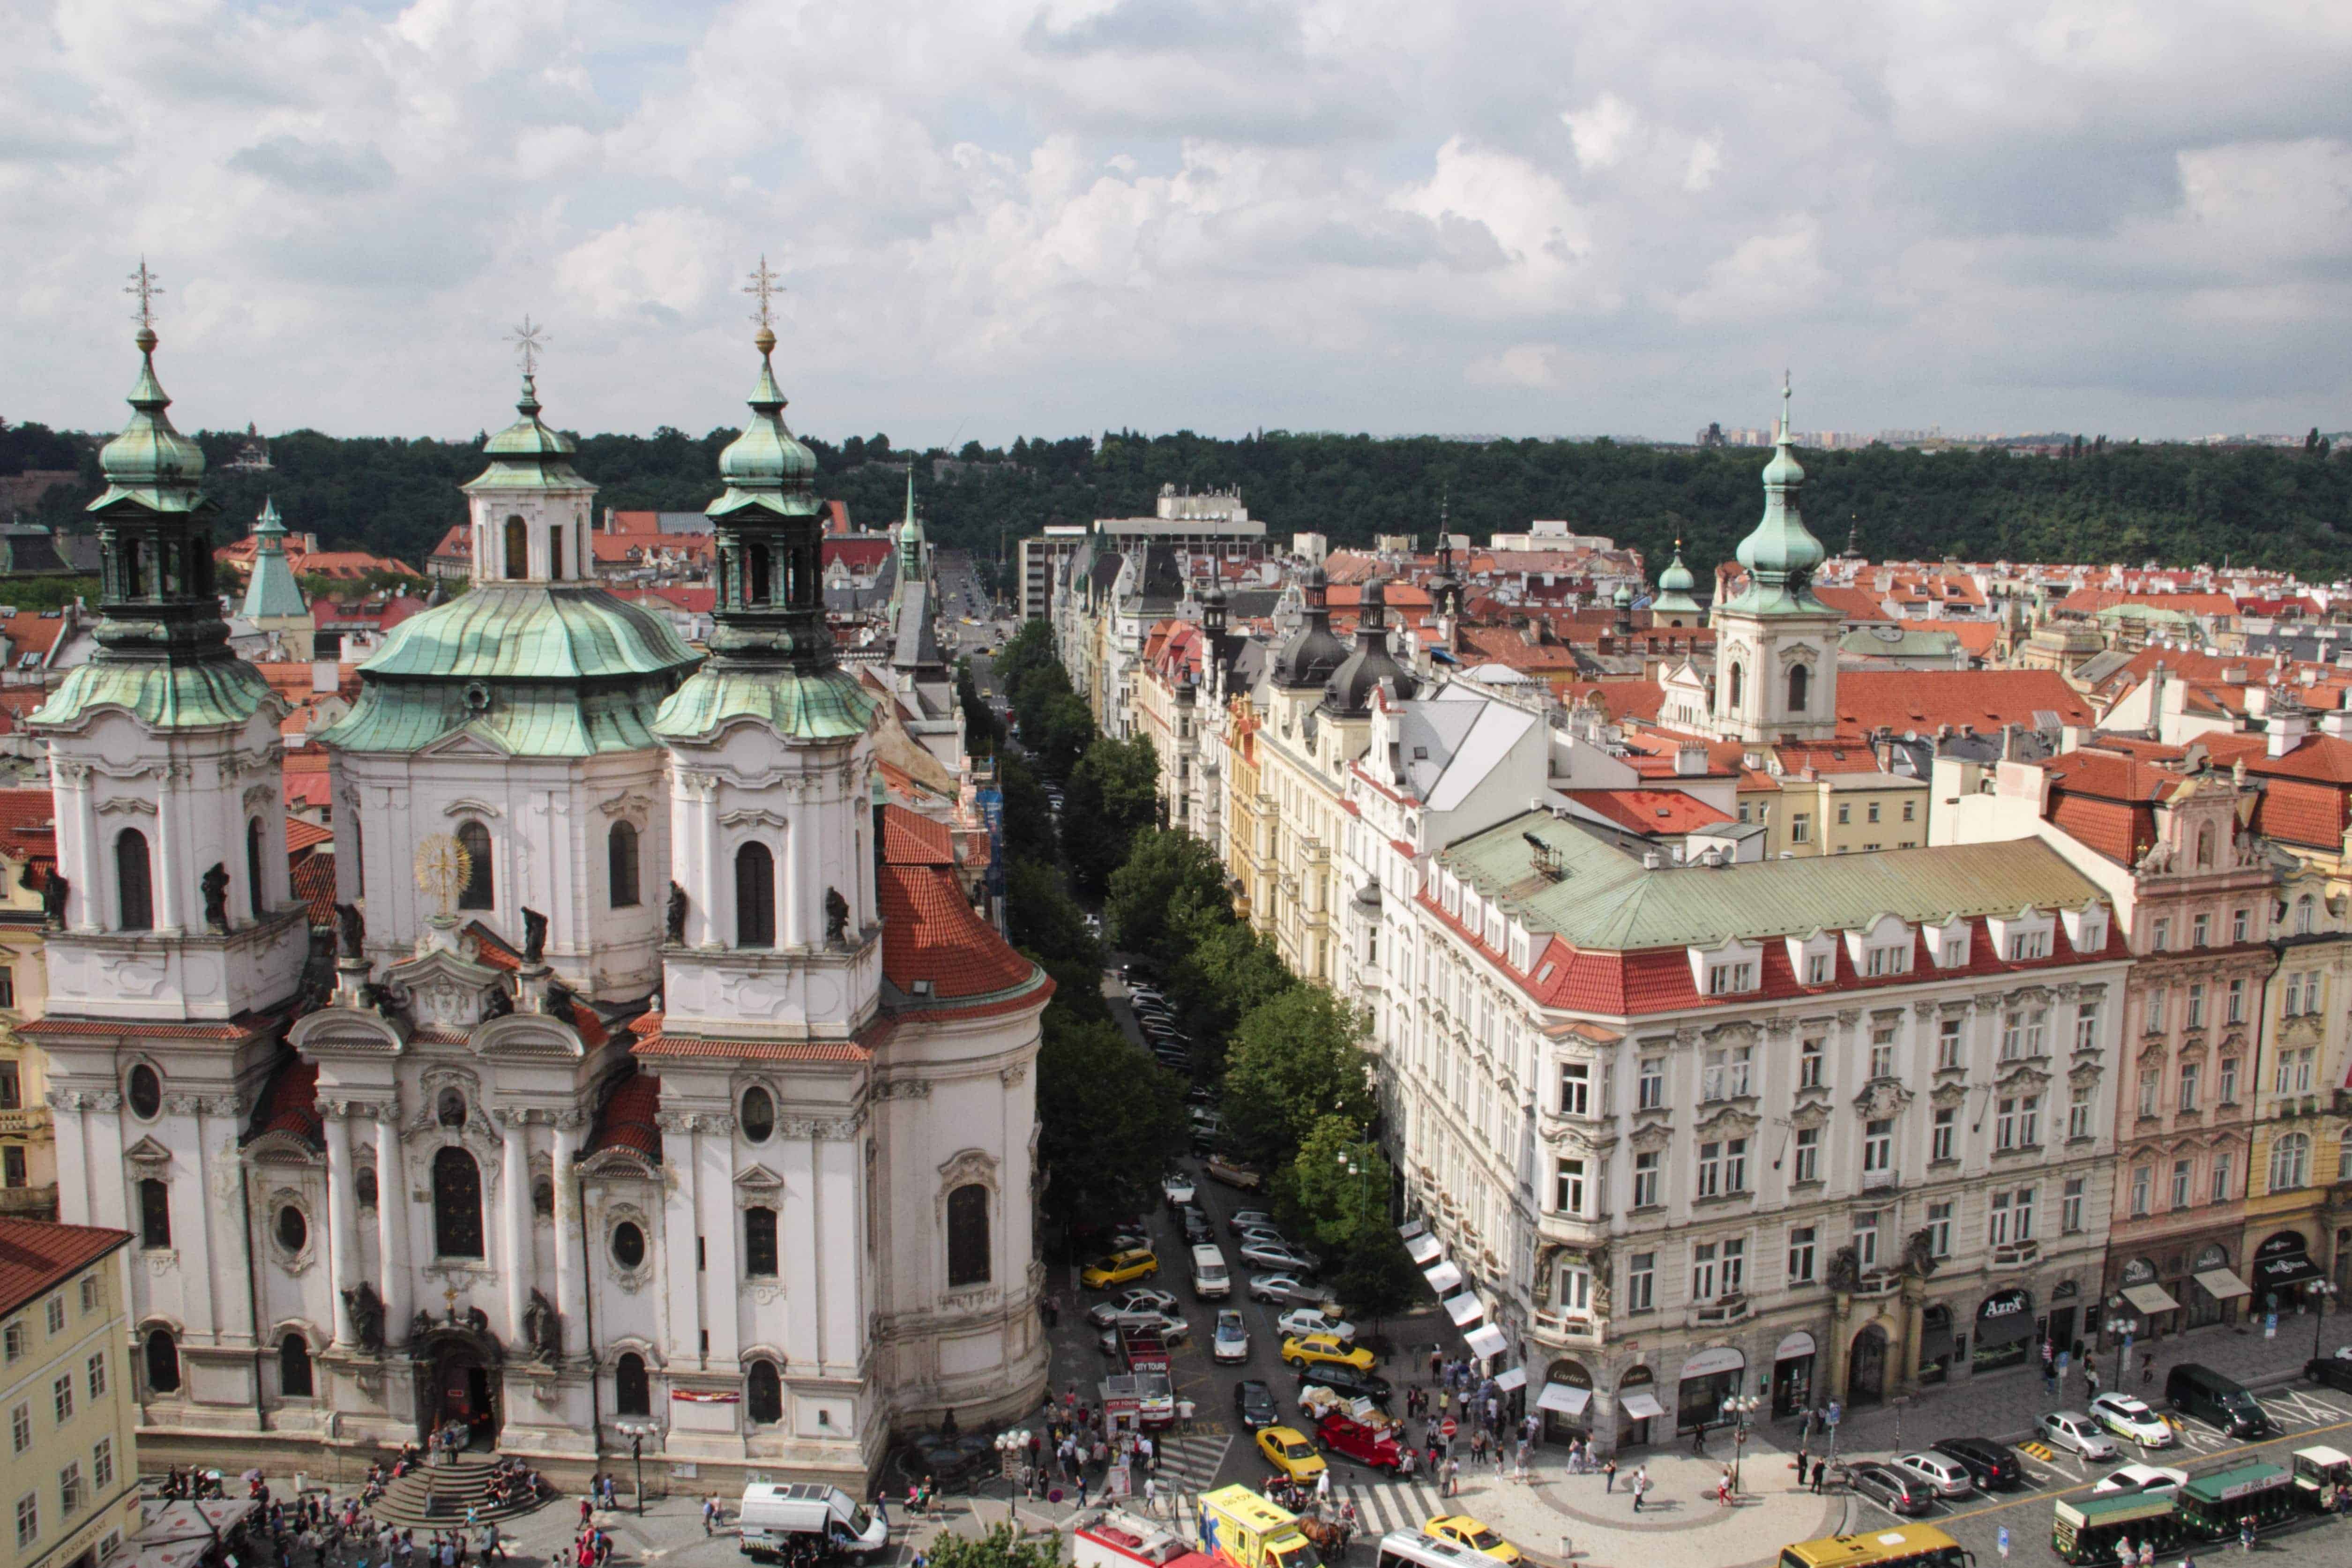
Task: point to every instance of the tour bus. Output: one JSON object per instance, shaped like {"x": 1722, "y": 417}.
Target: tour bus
{"x": 2094, "y": 1528}
{"x": 1906, "y": 1546}
{"x": 2211, "y": 1506}
{"x": 1411, "y": 1548}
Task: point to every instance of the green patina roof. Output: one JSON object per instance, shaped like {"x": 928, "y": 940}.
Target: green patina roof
{"x": 1781, "y": 552}
{"x": 149, "y": 463}
{"x": 1906, "y": 644}
{"x": 271, "y": 590}
{"x": 544, "y": 669}
{"x": 766, "y": 469}
{"x": 527, "y": 455}
{"x": 161, "y": 696}
{"x": 826, "y": 704}
{"x": 1609, "y": 901}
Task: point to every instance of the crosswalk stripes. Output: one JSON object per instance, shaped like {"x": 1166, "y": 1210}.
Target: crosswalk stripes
{"x": 1190, "y": 1464}
{"x": 1385, "y": 1506}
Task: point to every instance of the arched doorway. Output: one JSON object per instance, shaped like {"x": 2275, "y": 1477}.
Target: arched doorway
{"x": 1866, "y": 1366}
{"x": 1793, "y": 1374}
{"x": 461, "y": 1383}
{"x": 1566, "y": 1401}
{"x": 2004, "y": 1329}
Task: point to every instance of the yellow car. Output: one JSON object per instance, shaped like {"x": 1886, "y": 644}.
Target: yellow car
{"x": 1317, "y": 1350}
{"x": 1288, "y": 1450}
{"x": 1136, "y": 1263}
{"x": 1463, "y": 1531}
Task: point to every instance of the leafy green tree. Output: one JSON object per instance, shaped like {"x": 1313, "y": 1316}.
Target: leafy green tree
{"x": 1113, "y": 792}
{"x": 984, "y": 732}
{"x": 1042, "y": 916}
{"x": 1378, "y": 1279}
{"x": 1110, "y": 1120}
{"x": 1226, "y": 970}
{"x": 1028, "y": 816}
{"x": 1292, "y": 1062}
{"x": 1000, "y": 1548}
{"x": 1340, "y": 1186}
{"x": 1168, "y": 874}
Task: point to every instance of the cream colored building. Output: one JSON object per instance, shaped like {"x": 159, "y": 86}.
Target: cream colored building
{"x": 70, "y": 1474}
{"x": 1849, "y": 813}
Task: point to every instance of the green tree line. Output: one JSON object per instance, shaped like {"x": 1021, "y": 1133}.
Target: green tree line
{"x": 2175, "y": 504}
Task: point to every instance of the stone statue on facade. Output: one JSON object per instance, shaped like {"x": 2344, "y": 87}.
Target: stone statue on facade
{"x": 676, "y": 917}
{"x": 1919, "y": 1254}
{"x": 543, "y": 1327}
{"x": 1845, "y": 1269}
{"x": 422, "y": 1326}
{"x": 366, "y": 1309}
{"x": 54, "y": 887}
{"x": 214, "y": 884}
{"x": 534, "y": 937}
{"x": 836, "y": 916}
{"x": 351, "y": 931}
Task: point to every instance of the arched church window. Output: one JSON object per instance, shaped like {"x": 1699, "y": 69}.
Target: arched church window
{"x": 621, "y": 855}
{"x": 755, "y": 897}
{"x": 628, "y": 1244}
{"x": 631, "y": 1394}
{"x": 517, "y": 548}
{"x": 456, "y": 1204}
{"x": 293, "y": 1229}
{"x": 294, "y": 1367}
{"x": 145, "y": 1091}
{"x": 154, "y": 1212}
{"x": 449, "y": 1110}
{"x": 759, "y": 1243}
{"x": 480, "y": 892}
{"x": 134, "y": 894}
{"x": 1738, "y": 683}
{"x": 968, "y": 1236}
{"x": 253, "y": 864}
{"x": 755, "y": 590}
{"x": 542, "y": 1196}
{"x": 1801, "y": 680}
{"x": 759, "y": 1114}
{"x": 555, "y": 552}
{"x": 162, "y": 1362}
{"x": 764, "y": 1394}
{"x": 2302, "y": 915}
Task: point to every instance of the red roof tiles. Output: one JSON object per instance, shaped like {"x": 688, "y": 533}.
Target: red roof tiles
{"x": 627, "y": 1120}
{"x": 290, "y": 1103}
{"x": 909, "y": 838}
{"x": 37, "y": 1255}
{"x": 1926, "y": 700}
{"x": 1650, "y": 812}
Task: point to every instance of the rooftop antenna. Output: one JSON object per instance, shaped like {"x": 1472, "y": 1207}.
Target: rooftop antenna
{"x": 765, "y": 286}
{"x": 143, "y": 284}
{"x": 530, "y": 340}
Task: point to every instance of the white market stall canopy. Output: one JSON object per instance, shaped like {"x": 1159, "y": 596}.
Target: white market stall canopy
{"x": 1464, "y": 1309}
{"x": 1486, "y": 1340}
{"x": 1443, "y": 1277}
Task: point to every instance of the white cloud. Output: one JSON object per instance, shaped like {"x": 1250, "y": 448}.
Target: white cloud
{"x": 1210, "y": 212}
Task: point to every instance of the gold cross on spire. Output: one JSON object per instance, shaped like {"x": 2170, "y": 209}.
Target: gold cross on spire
{"x": 143, "y": 284}
{"x": 530, "y": 340}
{"x": 765, "y": 286}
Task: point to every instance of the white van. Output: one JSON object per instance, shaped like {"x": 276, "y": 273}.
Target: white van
{"x": 1210, "y": 1279}
{"x": 772, "y": 1515}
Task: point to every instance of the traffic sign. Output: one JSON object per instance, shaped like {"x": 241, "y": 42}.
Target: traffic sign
{"x": 1447, "y": 1428}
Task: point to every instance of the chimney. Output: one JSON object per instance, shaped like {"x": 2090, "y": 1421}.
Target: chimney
{"x": 1651, "y": 860}
{"x": 1690, "y": 760}
{"x": 2289, "y": 723}
{"x": 326, "y": 674}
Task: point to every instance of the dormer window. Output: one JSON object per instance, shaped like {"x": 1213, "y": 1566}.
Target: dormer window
{"x": 2028, "y": 944}
{"x": 1887, "y": 960}
{"x": 1727, "y": 978}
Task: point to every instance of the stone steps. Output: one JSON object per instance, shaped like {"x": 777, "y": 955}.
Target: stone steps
{"x": 435, "y": 1497}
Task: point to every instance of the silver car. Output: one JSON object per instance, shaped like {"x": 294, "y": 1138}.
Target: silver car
{"x": 2078, "y": 1434}
{"x": 1231, "y": 1341}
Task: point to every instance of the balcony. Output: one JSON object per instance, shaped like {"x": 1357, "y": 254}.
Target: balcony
{"x": 25, "y": 1123}
{"x": 1575, "y": 1230}
{"x": 1880, "y": 1282}
{"x": 29, "y": 1203}
{"x": 1724, "y": 1311}
{"x": 1567, "y": 1328}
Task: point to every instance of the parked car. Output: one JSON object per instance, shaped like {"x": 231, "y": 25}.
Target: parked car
{"x": 1944, "y": 1476}
{"x": 1351, "y": 1439}
{"x": 1989, "y": 1463}
{"x": 1463, "y": 1531}
{"x": 1300, "y": 1321}
{"x": 1317, "y": 1349}
{"x": 1263, "y": 1255}
{"x": 1279, "y": 1288}
{"x": 1240, "y": 1220}
{"x": 2331, "y": 1372}
{"x": 1346, "y": 1382}
{"x": 1177, "y": 1188}
{"x": 2216, "y": 1399}
{"x": 1888, "y": 1486}
{"x": 1197, "y": 1228}
{"x": 1105, "y": 1314}
{"x": 2075, "y": 1433}
{"x": 1170, "y": 1328}
{"x": 2153, "y": 1478}
{"x": 1230, "y": 1340}
{"x": 2132, "y": 1420}
{"x": 1118, "y": 1268}
{"x": 1254, "y": 1404}
{"x": 1288, "y": 1451}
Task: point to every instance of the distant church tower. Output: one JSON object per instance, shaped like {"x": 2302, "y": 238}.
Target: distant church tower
{"x": 1776, "y": 644}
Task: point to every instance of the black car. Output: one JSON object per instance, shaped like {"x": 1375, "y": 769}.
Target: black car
{"x": 1253, "y": 1403}
{"x": 2331, "y": 1372}
{"x": 1992, "y": 1467}
{"x": 1347, "y": 1382}
{"x": 1198, "y": 1231}
{"x": 1886, "y": 1484}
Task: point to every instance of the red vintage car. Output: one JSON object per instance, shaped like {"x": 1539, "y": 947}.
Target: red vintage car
{"x": 1351, "y": 1439}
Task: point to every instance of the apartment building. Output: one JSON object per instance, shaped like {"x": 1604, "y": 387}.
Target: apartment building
{"x": 1045, "y": 560}
{"x": 70, "y": 1475}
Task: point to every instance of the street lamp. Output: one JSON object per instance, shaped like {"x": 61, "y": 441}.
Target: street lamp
{"x": 637, "y": 1432}
{"x": 1740, "y": 1407}
{"x": 2319, "y": 1291}
{"x": 2119, "y": 1327}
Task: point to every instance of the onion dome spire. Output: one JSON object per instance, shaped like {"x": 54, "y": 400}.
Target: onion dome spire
{"x": 270, "y": 589}
{"x": 1675, "y": 584}
{"x": 1314, "y": 652}
{"x": 1371, "y": 667}
{"x": 770, "y": 604}
{"x": 1781, "y": 553}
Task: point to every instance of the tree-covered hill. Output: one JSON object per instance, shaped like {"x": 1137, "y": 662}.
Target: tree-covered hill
{"x": 2173, "y": 504}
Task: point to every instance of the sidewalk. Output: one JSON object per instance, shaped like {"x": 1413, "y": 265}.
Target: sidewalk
{"x": 2005, "y": 1406}
{"x": 1559, "y": 1518}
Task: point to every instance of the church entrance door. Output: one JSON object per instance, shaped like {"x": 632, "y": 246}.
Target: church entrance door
{"x": 463, "y": 1391}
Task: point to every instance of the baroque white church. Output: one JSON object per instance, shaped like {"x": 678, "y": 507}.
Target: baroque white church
{"x": 665, "y": 1085}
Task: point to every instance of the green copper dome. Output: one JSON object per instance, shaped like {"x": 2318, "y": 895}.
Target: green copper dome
{"x": 1676, "y": 578}
{"x": 1781, "y": 553}
{"x": 527, "y": 455}
{"x": 1623, "y": 597}
{"x": 151, "y": 463}
{"x": 765, "y": 467}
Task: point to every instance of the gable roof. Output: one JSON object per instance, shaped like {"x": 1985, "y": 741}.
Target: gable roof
{"x": 1926, "y": 700}
{"x": 36, "y": 1257}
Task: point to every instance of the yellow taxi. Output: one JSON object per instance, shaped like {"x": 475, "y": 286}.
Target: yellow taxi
{"x": 1463, "y": 1531}
{"x": 1288, "y": 1450}
{"x": 1135, "y": 1263}
{"x": 1321, "y": 1350}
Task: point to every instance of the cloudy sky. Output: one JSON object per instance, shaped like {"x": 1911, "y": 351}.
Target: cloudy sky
{"x": 1046, "y": 217}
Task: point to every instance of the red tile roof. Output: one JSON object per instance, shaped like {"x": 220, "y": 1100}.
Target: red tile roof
{"x": 627, "y": 1120}
{"x": 1859, "y": 607}
{"x": 2321, "y": 759}
{"x": 290, "y": 1103}
{"x": 1621, "y": 700}
{"x": 2090, "y": 600}
{"x": 301, "y": 835}
{"x": 862, "y": 556}
{"x": 930, "y": 933}
{"x": 28, "y": 826}
{"x": 1650, "y": 812}
{"x": 37, "y": 1255}
{"x": 909, "y": 838}
{"x": 314, "y": 884}
{"x": 1926, "y": 700}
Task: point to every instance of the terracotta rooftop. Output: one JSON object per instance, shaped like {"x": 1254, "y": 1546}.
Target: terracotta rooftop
{"x": 627, "y": 1120}
{"x": 1650, "y": 812}
{"x": 909, "y": 838}
{"x": 290, "y": 1103}
{"x": 36, "y": 1257}
{"x": 1926, "y": 700}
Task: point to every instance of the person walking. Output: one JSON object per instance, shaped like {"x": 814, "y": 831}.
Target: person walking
{"x": 1609, "y": 1475}
{"x": 710, "y": 1517}
{"x": 1819, "y": 1466}
{"x": 1640, "y": 1484}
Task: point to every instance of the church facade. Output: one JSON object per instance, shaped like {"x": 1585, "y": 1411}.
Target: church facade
{"x": 665, "y": 1085}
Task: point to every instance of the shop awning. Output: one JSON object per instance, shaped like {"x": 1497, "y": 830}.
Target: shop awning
{"x": 2005, "y": 1330}
{"x": 1425, "y": 1250}
{"x": 2285, "y": 1271}
{"x": 1642, "y": 1404}
{"x": 1443, "y": 1277}
{"x": 1511, "y": 1377}
{"x": 1486, "y": 1340}
{"x": 1464, "y": 1309}
{"x": 1566, "y": 1400}
{"x": 2221, "y": 1285}
{"x": 2150, "y": 1299}
{"x": 1411, "y": 1228}
{"x": 1935, "y": 1341}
